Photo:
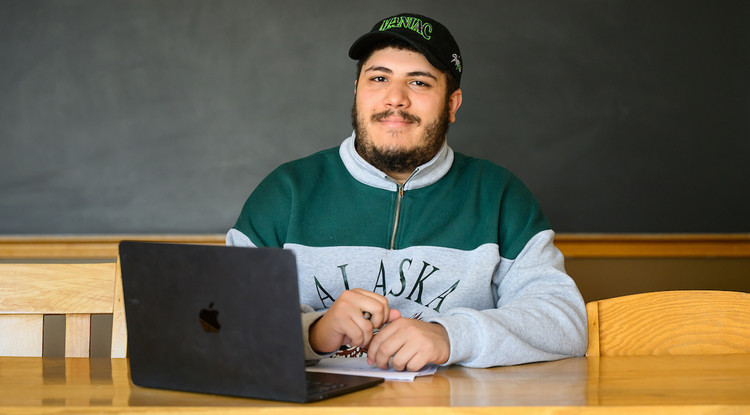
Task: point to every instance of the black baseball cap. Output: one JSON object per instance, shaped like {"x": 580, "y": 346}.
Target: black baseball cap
{"x": 427, "y": 35}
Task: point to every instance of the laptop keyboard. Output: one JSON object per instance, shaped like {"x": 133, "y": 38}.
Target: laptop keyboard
{"x": 314, "y": 386}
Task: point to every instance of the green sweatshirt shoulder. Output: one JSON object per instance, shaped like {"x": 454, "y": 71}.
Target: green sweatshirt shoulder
{"x": 315, "y": 201}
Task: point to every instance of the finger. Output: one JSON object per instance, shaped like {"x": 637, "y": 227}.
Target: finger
{"x": 393, "y": 315}
{"x": 374, "y": 309}
{"x": 360, "y": 331}
{"x": 387, "y": 352}
{"x": 374, "y": 347}
{"x": 360, "y": 304}
{"x": 384, "y": 345}
{"x": 407, "y": 358}
{"x": 408, "y": 345}
{"x": 348, "y": 324}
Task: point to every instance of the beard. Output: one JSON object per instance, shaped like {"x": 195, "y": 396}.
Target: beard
{"x": 400, "y": 160}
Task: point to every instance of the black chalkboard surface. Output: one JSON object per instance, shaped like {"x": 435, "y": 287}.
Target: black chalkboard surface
{"x": 160, "y": 116}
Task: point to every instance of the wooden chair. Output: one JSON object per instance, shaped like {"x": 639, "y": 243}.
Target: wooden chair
{"x": 29, "y": 291}
{"x": 670, "y": 322}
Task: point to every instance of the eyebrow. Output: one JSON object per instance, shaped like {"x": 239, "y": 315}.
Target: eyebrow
{"x": 389, "y": 71}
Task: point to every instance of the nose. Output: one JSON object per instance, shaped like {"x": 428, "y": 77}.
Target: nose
{"x": 397, "y": 97}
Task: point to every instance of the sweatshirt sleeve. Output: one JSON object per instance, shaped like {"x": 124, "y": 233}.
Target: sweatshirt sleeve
{"x": 539, "y": 316}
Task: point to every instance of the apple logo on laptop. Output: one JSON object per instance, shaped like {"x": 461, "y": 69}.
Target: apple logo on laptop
{"x": 209, "y": 318}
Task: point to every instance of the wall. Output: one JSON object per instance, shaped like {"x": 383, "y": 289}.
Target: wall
{"x": 160, "y": 116}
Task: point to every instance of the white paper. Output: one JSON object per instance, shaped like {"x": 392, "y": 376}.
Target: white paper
{"x": 358, "y": 366}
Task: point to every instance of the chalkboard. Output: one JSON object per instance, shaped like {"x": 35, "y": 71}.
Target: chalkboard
{"x": 161, "y": 116}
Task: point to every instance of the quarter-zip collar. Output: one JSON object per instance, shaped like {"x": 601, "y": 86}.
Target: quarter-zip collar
{"x": 365, "y": 173}
{"x": 397, "y": 214}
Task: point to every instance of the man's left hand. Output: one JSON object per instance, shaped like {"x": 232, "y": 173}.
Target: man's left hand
{"x": 409, "y": 345}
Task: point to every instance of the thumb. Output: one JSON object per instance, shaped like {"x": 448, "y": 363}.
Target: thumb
{"x": 393, "y": 315}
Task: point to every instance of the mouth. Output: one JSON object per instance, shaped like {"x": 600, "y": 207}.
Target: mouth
{"x": 395, "y": 123}
{"x": 396, "y": 119}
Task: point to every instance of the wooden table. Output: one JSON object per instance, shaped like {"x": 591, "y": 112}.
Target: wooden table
{"x": 621, "y": 385}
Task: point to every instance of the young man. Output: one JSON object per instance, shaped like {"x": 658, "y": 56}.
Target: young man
{"x": 408, "y": 252}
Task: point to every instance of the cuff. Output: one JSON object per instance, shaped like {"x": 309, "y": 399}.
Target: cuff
{"x": 308, "y": 318}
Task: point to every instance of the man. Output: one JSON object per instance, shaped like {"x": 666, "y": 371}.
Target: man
{"x": 406, "y": 250}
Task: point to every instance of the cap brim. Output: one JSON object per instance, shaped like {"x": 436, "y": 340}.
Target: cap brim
{"x": 362, "y": 46}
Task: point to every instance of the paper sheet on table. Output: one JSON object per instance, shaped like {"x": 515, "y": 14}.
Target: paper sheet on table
{"x": 358, "y": 366}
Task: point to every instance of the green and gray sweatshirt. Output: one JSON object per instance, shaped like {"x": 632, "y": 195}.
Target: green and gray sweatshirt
{"x": 462, "y": 243}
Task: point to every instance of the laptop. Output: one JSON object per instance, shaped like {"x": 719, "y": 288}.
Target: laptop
{"x": 220, "y": 320}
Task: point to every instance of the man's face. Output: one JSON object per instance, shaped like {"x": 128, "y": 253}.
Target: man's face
{"x": 400, "y": 112}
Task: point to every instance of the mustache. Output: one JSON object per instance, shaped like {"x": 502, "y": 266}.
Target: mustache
{"x": 402, "y": 114}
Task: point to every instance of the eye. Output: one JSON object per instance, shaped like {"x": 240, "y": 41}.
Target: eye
{"x": 378, "y": 79}
{"x": 420, "y": 83}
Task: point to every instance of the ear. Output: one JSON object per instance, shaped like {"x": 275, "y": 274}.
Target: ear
{"x": 355, "y": 87}
{"x": 454, "y": 102}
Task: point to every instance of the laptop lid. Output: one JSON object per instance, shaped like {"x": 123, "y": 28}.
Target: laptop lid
{"x": 216, "y": 319}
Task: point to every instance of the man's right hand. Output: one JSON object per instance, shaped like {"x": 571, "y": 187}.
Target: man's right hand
{"x": 346, "y": 323}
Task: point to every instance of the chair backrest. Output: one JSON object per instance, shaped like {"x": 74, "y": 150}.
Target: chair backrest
{"x": 670, "y": 322}
{"x": 29, "y": 291}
